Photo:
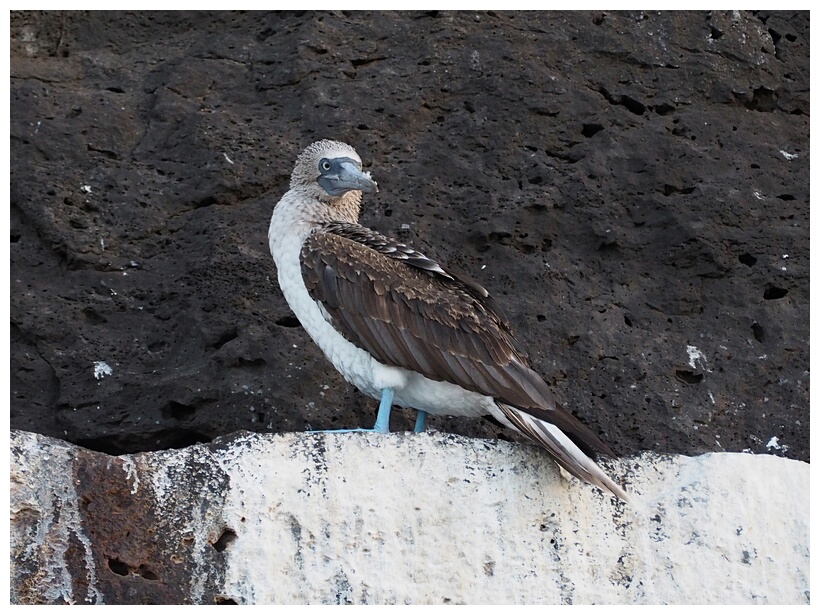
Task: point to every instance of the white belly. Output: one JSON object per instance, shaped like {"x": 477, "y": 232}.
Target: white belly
{"x": 358, "y": 367}
{"x": 443, "y": 398}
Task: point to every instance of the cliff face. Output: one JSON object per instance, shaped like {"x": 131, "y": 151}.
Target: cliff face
{"x": 399, "y": 519}
{"x": 632, "y": 187}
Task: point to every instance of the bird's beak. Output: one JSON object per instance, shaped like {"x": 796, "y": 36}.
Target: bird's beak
{"x": 349, "y": 177}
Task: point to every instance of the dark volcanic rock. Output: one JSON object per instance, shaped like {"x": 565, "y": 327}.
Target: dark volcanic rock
{"x": 633, "y": 187}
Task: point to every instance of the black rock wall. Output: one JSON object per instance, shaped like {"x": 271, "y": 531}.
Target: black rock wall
{"x": 633, "y": 187}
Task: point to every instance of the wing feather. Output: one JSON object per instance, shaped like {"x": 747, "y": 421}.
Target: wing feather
{"x": 563, "y": 449}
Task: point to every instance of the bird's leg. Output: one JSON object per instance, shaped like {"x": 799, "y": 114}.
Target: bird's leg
{"x": 382, "y": 419}
{"x": 421, "y": 421}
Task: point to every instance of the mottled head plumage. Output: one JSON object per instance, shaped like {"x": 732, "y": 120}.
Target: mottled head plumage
{"x": 307, "y": 171}
{"x": 329, "y": 175}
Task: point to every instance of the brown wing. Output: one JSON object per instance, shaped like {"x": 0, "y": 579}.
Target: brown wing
{"x": 408, "y": 312}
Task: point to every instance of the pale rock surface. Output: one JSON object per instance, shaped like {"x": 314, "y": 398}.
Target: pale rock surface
{"x": 400, "y": 518}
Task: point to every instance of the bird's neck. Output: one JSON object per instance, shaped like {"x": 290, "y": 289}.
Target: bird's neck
{"x": 345, "y": 208}
{"x": 318, "y": 210}
{"x": 299, "y": 212}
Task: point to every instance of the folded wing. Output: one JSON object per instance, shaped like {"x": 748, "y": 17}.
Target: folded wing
{"x": 407, "y": 311}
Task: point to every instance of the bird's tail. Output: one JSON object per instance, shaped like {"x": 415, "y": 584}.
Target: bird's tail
{"x": 564, "y": 450}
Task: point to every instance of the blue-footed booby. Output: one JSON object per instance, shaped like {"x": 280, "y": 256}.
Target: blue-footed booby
{"x": 399, "y": 326}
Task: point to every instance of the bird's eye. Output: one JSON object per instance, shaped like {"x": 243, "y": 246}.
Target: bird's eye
{"x": 324, "y": 165}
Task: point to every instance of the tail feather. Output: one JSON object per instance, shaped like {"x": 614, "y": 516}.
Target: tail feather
{"x": 564, "y": 450}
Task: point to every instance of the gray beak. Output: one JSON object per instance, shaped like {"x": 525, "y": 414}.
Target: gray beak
{"x": 344, "y": 176}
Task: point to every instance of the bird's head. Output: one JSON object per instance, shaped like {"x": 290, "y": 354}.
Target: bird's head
{"x": 329, "y": 170}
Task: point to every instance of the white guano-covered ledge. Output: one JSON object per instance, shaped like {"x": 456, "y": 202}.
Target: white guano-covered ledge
{"x": 434, "y": 518}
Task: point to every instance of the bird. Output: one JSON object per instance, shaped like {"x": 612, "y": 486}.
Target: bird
{"x": 403, "y": 329}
